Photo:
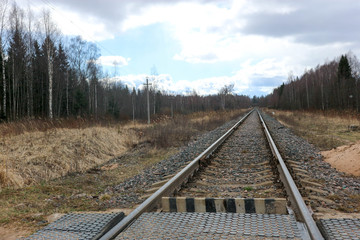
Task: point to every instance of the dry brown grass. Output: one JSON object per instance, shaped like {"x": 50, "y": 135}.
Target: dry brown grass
{"x": 32, "y": 157}
{"x": 38, "y": 150}
{"x": 42, "y": 125}
{"x": 36, "y": 156}
{"x": 326, "y": 130}
{"x": 182, "y": 128}
{"x": 28, "y": 207}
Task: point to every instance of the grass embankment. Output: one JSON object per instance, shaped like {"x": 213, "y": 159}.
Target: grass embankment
{"x": 326, "y": 130}
{"x": 64, "y": 167}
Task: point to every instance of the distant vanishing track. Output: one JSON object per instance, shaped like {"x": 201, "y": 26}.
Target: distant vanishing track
{"x": 243, "y": 163}
{"x": 243, "y": 167}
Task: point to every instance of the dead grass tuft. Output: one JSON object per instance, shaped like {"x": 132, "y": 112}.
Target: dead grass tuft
{"x": 43, "y": 125}
{"x": 40, "y": 156}
{"x": 326, "y": 130}
{"x": 176, "y": 132}
{"x": 9, "y": 178}
{"x": 51, "y": 150}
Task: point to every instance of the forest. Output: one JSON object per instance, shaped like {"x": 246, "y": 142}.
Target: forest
{"x": 46, "y": 75}
{"x": 334, "y": 85}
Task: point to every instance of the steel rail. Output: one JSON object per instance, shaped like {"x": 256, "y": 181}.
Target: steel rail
{"x": 291, "y": 188}
{"x": 174, "y": 183}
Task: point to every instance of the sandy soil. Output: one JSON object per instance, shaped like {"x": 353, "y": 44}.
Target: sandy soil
{"x": 345, "y": 158}
{"x": 12, "y": 233}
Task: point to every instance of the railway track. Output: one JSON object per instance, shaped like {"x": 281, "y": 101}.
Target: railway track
{"x": 242, "y": 167}
{"x": 238, "y": 174}
{"x": 238, "y": 188}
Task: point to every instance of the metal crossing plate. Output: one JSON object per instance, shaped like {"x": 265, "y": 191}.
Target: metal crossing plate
{"x": 167, "y": 225}
{"x": 78, "y": 226}
{"x": 342, "y": 228}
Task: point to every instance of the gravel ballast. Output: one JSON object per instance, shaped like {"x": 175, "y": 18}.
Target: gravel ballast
{"x": 242, "y": 167}
{"x": 340, "y": 188}
{"x": 337, "y": 190}
{"x": 128, "y": 193}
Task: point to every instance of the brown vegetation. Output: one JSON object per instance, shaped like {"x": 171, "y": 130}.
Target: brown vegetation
{"x": 324, "y": 129}
{"x": 330, "y": 130}
{"x": 139, "y": 145}
{"x": 181, "y": 129}
{"x": 41, "y": 156}
{"x": 51, "y": 149}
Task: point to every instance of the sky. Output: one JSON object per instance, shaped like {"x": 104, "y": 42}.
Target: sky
{"x": 203, "y": 45}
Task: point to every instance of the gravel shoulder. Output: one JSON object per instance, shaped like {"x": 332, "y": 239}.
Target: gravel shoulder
{"x": 128, "y": 194}
{"x": 340, "y": 193}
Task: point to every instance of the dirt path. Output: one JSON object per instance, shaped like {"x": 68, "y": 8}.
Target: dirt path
{"x": 345, "y": 158}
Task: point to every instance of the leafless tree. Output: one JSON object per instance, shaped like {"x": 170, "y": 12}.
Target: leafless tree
{"x": 50, "y": 33}
{"x": 224, "y": 91}
{"x": 154, "y": 79}
{"x": 3, "y": 17}
{"x": 355, "y": 72}
{"x": 78, "y": 61}
{"x": 29, "y": 55}
{"x": 16, "y": 55}
{"x": 93, "y": 74}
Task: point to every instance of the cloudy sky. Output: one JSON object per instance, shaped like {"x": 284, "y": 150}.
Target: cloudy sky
{"x": 203, "y": 45}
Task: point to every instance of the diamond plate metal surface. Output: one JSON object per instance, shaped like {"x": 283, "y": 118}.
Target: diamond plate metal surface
{"x": 341, "y": 228}
{"x": 212, "y": 226}
{"x": 78, "y": 226}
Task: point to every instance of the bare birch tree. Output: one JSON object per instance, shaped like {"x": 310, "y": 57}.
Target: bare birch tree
{"x": 92, "y": 74}
{"x": 355, "y": 72}
{"x": 3, "y": 17}
{"x": 154, "y": 76}
{"x": 29, "y": 69}
{"x": 50, "y": 32}
{"x": 16, "y": 59}
{"x": 224, "y": 91}
{"x": 77, "y": 59}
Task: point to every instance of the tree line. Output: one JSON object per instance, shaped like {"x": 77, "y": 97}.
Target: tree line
{"x": 332, "y": 85}
{"x": 44, "y": 74}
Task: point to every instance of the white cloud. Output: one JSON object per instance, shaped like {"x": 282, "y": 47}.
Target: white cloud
{"x": 197, "y": 27}
{"x": 113, "y": 61}
{"x": 266, "y": 38}
{"x": 165, "y": 83}
{"x": 210, "y": 33}
{"x": 88, "y": 27}
{"x": 253, "y": 78}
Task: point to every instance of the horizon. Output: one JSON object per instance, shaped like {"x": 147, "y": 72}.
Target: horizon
{"x": 253, "y": 45}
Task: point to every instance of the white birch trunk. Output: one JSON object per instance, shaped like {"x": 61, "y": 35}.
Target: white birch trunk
{"x": 154, "y": 102}
{"x": 67, "y": 94}
{"x": 4, "y": 83}
{"x": 50, "y": 72}
{"x": 14, "y": 87}
{"x": 89, "y": 97}
{"x": 95, "y": 93}
{"x": 307, "y": 93}
{"x": 133, "y": 111}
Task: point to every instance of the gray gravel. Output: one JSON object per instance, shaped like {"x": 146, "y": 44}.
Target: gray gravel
{"x": 241, "y": 167}
{"x": 291, "y": 147}
{"x": 295, "y": 148}
{"x": 129, "y": 192}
